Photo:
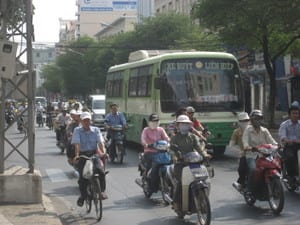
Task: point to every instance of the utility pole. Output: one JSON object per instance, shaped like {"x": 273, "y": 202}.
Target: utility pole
{"x": 15, "y": 81}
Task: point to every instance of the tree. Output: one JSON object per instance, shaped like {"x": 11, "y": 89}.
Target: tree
{"x": 53, "y": 78}
{"x": 270, "y": 26}
{"x": 85, "y": 62}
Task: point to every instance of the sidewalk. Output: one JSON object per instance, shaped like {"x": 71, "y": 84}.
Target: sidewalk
{"x": 29, "y": 214}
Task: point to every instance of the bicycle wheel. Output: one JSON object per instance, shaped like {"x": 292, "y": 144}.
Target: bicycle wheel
{"x": 97, "y": 197}
{"x": 88, "y": 200}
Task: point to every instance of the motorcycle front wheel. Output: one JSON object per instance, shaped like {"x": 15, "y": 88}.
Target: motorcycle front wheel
{"x": 120, "y": 153}
{"x": 203, "y": 207}
{"x": 166, "y": 189}
{"x": 276, "y": 195}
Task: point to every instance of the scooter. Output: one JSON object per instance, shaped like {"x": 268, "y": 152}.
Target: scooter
{"x": 162, "y": 160}
{"x": 63, "y": 140}
{"x": 291, "y": 183}
{"x": 266, "y": 180}
{"x": 39, "y": 119}
{"x": 9, "y": 116}
{"x": 115, "y": 144}
{"x": 195, "y": 186}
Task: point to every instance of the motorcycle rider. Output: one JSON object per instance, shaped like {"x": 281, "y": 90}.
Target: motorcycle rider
{"x": 149, "y": 136}
{"x": 75, "y": 115}
{"x": 184, "y": 141}
{"x": 255, "y": 134}
{"x": 114, "y": 118}
{"x": 88, "y": 141}
{"x": 62, "y": 120}
{"x": 289, "y": 134}
{"x": 39, "y": 111}
{"x": 236, "y": 142}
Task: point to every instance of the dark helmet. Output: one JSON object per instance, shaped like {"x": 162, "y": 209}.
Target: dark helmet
{"x": 256, "y": 113}
{"x": 153, "y": 117}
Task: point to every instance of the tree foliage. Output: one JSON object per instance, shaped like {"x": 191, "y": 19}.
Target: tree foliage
{"x": 14, "y": 13}
{"x": 52, "y": 75}
{"x": 270, "y": 26}
{"x": 86, "y": 61}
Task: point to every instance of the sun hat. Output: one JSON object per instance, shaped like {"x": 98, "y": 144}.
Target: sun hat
{"x": 85, "y": 115}
{"x": 73, "y": 111}
{"x": 243, "y": 116}
{"x": 257, "y": 113}
{"x": 183, "y": 119}
{"x": 190, "y": 109}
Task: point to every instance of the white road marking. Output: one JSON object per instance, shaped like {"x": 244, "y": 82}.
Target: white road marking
{"x": 56, "y": 175}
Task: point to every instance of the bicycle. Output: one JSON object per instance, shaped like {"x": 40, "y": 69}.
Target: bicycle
{"x": 94, "y": 188}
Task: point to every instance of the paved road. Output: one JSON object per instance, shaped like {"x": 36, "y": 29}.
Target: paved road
{"x": 127, "y": 205}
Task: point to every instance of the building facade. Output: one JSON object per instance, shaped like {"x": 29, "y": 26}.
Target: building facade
{"x": 120, "y": 25}
{"x": 40, "y": 57}
{"x": 145, "y": 8}
{"x": 178, "y": 6}
{"x": 95, "y": 15}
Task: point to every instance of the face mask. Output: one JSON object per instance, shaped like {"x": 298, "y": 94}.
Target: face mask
{"x": 243, "y": 125}
{"x": 184, "y": 128}
{"x": 153, "y": 125}
{"x": 257, "y": 123}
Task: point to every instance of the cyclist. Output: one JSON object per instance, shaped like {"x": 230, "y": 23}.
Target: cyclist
{"x": 88, "y": 141}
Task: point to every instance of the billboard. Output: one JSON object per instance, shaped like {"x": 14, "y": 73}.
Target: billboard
{"x": 108, "y": 5}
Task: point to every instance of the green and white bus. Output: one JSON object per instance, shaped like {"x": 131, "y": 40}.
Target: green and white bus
{"x": 163, "y": 81}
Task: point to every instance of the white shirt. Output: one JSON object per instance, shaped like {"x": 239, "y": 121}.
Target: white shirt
{"x": 252, "y": 138}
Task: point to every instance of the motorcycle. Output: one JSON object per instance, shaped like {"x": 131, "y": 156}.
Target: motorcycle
{"x": 9, "y": 116}
{"x": 115, "y": 144}
{"x": 266, "y": 179}
{"x": 195, "y": 186}
{"x": 49, "y": 120}
{"x": 21, "y": 124}
{"x": 63, "y": 140}
{"x": 291, "y": 183}
{"x": 162, "y": 159}
{"x": 40, "y": 119}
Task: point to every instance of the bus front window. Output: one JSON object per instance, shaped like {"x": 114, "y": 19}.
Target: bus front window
{"x": 206, "y": 84}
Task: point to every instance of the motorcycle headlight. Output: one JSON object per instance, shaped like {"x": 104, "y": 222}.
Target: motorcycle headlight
{"x": 192, "y": 157}
{"x": 200, "y": 172}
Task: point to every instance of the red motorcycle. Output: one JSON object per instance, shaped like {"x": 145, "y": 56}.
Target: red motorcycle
{"x": 266, "y": 184}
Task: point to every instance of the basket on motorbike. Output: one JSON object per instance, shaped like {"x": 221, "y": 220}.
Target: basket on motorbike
{"x": 162, "y": 156}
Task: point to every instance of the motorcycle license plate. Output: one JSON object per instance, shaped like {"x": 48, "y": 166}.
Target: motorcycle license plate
{"x": 198, "y": 171}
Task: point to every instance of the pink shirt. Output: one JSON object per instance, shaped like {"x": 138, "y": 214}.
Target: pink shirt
{"x": 149, "y": 136}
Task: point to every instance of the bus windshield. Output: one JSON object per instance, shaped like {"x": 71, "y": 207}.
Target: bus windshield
{"x": 207, "y": 84}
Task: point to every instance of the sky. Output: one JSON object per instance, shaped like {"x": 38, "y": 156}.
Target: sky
{"x": 46, "y": 18}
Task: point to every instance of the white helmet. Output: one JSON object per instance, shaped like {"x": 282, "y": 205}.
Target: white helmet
{"x": 183, "y": 119}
